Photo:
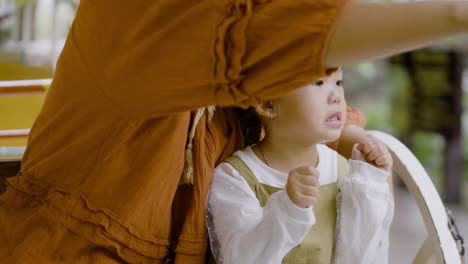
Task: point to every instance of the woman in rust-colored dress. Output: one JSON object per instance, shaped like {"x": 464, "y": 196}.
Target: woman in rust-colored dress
{"x": 103, "y": 180}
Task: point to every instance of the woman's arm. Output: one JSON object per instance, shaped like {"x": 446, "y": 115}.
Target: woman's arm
{"x": 351, "y": 135}
{"x": 367, "y": 31}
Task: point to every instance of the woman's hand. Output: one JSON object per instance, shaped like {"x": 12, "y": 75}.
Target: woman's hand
{"x": 374, "y": 152}
{"x": 303, "y": 186}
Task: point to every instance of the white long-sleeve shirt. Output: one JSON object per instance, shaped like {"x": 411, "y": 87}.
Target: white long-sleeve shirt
{"x": 242, "y": 231}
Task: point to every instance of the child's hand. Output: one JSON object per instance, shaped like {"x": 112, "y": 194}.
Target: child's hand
{"x": 374, "y": 152}
{"x": 303, "y": 186}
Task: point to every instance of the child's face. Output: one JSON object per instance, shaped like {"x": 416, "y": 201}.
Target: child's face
{"x": 315, "y": 113}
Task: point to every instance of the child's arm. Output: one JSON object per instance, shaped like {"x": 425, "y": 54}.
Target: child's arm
{"x": 366, "y": 207}
{"x": 242, "y": 231}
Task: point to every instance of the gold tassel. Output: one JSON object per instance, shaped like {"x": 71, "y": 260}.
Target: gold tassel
{"x": 187, "y": 175}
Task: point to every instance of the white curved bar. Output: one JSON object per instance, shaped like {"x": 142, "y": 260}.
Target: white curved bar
{"x": 422, "y": 189}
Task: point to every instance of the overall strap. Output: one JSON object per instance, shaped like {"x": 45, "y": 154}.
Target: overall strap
{"x": 244, "y": 171}
{"x": 342, "y": 166}
{"x": 261, "y": 191}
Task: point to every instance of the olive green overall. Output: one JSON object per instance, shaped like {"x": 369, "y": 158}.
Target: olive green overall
{"x": 318, "y": 245}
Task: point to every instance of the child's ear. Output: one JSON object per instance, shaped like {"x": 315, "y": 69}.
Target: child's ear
{"x": 266, "y": 110}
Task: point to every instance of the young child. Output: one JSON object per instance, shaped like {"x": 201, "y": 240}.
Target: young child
{"x": 289, "y": 199}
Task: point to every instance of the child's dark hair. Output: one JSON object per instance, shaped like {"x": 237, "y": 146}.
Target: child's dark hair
{"x": 250, "y": 124}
